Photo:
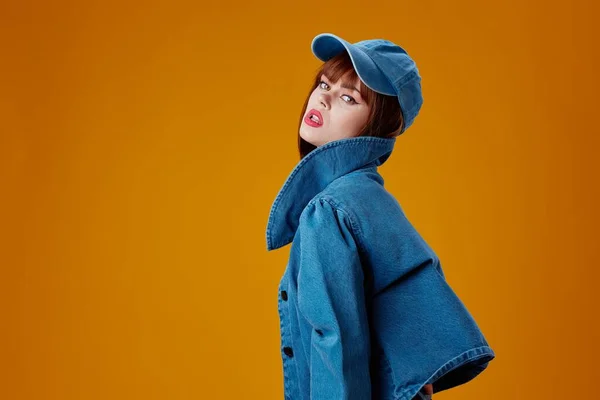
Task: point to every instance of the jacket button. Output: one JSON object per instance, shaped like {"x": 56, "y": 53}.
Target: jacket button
{"x": 288, "y": 351}
{"x": 284, "y": 295}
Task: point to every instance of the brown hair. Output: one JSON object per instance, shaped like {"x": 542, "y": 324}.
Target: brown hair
{"x": 385, "y": 117}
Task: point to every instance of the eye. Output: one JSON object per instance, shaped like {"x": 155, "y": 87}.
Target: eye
{"x": 351, "y": 101}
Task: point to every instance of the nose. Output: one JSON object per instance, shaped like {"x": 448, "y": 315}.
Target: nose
{"x": 324, "y": 100}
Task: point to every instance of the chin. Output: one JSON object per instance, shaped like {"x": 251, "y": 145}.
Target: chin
{"x": 312, "y": 140}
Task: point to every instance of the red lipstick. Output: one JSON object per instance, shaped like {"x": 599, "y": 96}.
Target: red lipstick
{"x": 311, "y": 122}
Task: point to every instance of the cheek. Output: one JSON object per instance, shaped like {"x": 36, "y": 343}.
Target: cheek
{"x": 313, "y": 101}
{"x": 358, "y": 119}
{"x": 364, "y": 116}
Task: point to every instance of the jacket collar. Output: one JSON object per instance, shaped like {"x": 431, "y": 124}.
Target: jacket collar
{"x": 313, "y": 173}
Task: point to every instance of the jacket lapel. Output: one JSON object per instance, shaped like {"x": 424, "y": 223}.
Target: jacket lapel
{"x": 313, "y": 173}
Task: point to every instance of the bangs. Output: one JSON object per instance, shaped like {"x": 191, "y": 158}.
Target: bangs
{"x": 341, "y": 66}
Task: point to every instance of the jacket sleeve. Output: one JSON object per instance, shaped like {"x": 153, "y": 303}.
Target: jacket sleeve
{"x": 331, "y": 300}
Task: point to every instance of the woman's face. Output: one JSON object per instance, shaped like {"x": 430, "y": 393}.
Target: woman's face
{"x": 341, "y": 112}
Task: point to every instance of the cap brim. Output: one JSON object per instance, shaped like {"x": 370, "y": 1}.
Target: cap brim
{"x": 327, "y": 45}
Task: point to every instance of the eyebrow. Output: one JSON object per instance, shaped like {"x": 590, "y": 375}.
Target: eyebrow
{"x": 345, "y": 85}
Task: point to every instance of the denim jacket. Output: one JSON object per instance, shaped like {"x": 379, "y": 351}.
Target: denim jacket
{"x": 365, "y": 311}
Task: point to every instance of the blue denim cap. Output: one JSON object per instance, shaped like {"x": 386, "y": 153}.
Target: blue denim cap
{"x": 382, "y": 66}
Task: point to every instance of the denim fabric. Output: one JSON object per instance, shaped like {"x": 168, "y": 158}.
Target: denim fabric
{"x": 365, "y": 309}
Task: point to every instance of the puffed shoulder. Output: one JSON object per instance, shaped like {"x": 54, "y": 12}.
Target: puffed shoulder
{"x": 325, "y": 217}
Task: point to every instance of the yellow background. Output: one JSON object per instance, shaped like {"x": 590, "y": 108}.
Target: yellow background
{"x": 142, "y": 145}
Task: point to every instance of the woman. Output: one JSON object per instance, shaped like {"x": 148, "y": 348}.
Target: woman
{"x": 365, "y": 310}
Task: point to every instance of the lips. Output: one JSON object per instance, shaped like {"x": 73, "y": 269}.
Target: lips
{"x": 310, "y": 122}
